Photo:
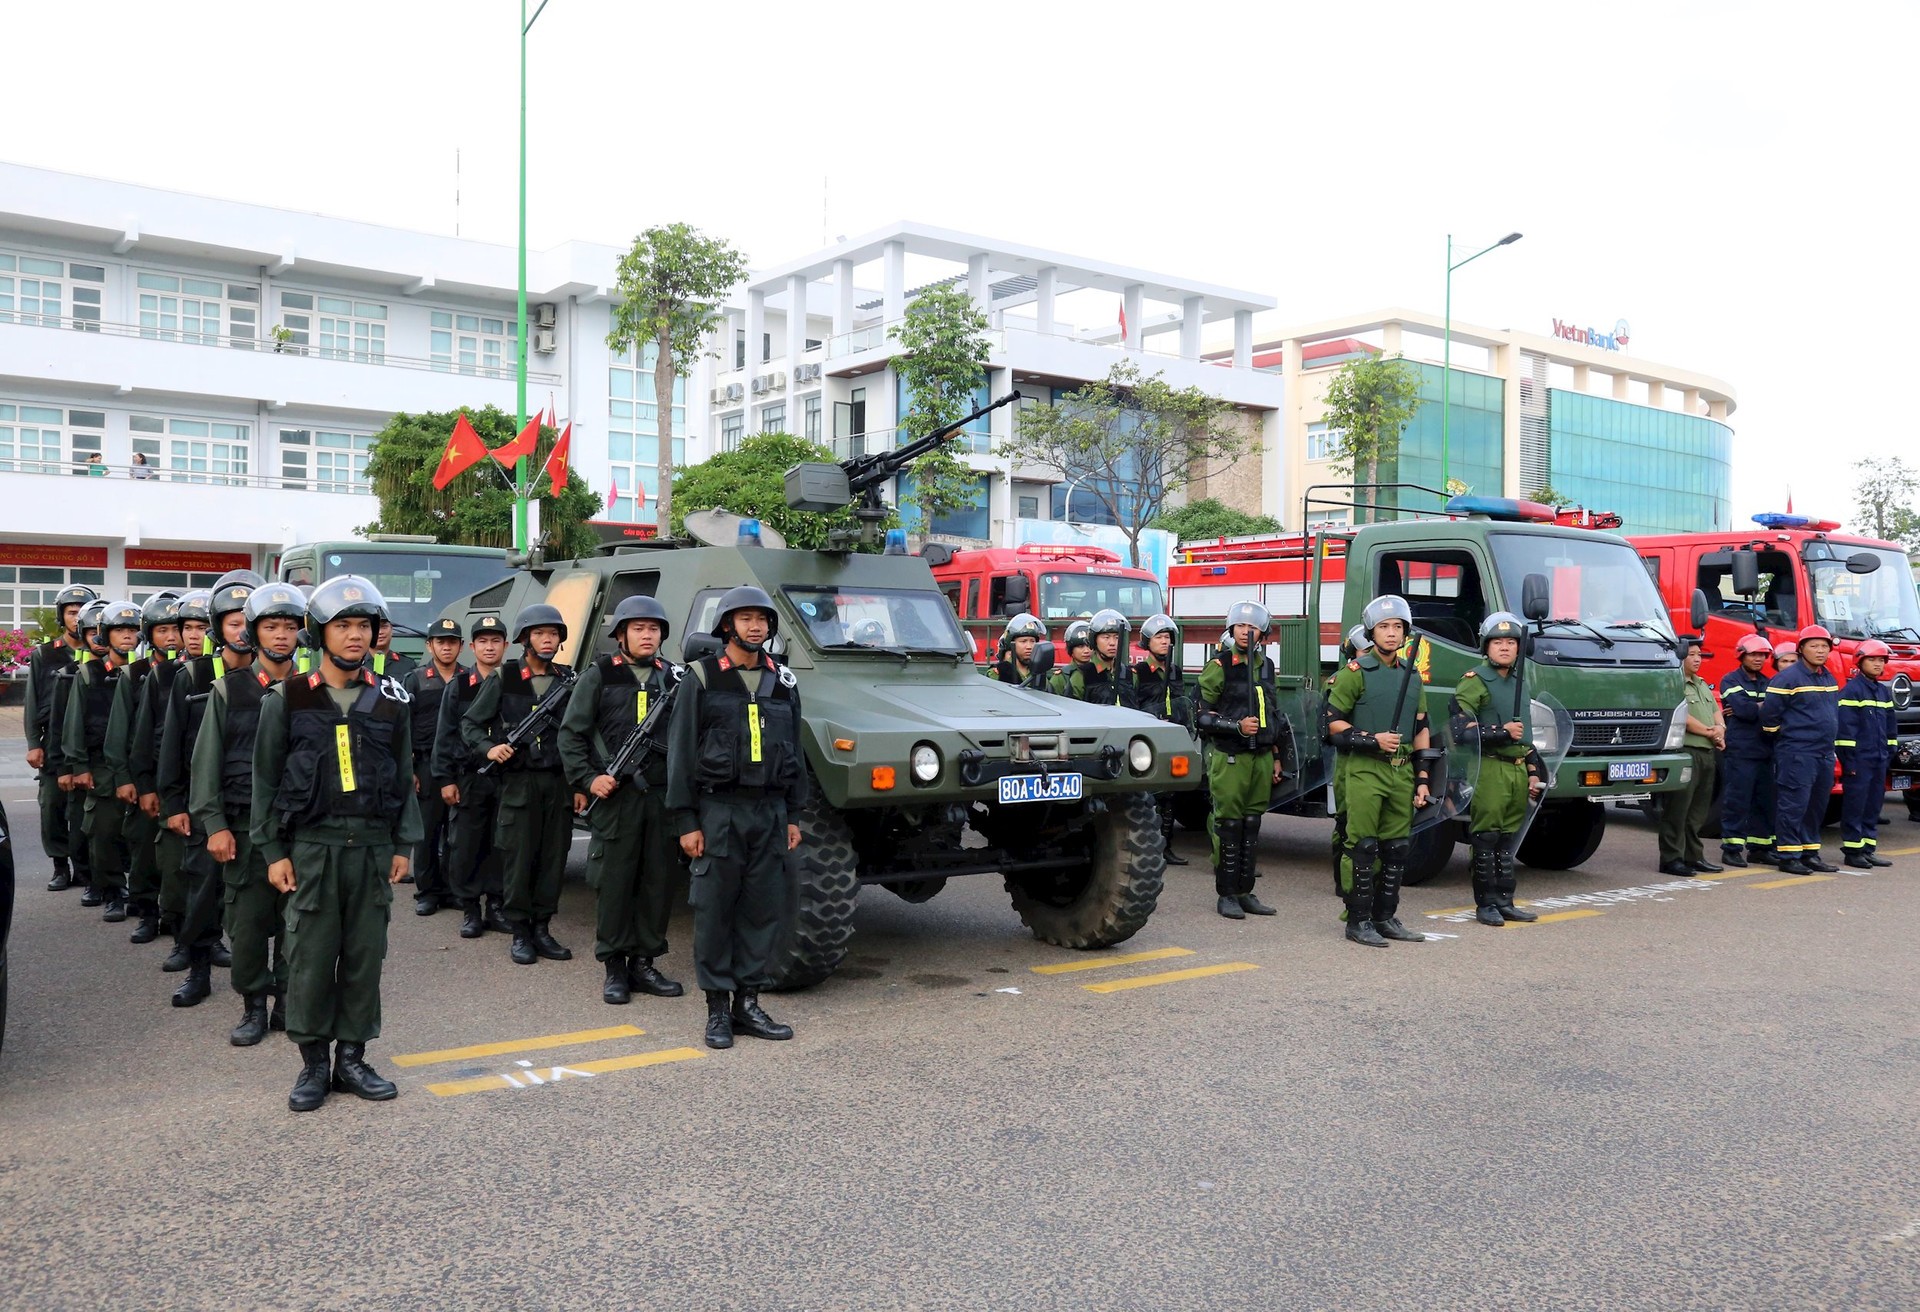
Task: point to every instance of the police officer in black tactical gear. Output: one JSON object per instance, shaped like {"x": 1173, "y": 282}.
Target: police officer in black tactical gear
{"x": 634, "y": 858}
{"x": 143, "y": 757}
{"x": 84, "y": 764}
{"x": 160, "y": 634}
{"x": 736, "y": 781}
{"x": 49, "y": 667}
{"x": 427, "y": 685}
{"x": 535, "y": 830}
{"x": 472, "y": 860}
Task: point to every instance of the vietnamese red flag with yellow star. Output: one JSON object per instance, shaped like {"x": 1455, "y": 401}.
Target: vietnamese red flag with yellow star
{"x": 556, "y": 466}
{"x": 521, "y": 446}
{"x": 464, "y": 450}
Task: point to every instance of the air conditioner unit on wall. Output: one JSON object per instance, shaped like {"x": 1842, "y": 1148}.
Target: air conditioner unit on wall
{"x": 761, "y": 384}
{"x": 778, "y": 380}
{"x": 543, "y": 314}
{"x": 735, "y": 392}
{"x": 544, "y": 341}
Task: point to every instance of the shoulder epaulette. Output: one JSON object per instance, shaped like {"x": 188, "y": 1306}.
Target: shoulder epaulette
{"x": 1470, "y": 674}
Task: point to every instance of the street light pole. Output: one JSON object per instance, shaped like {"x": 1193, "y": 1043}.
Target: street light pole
{"x": 520, "y": 369}
{"x": 1446, "y": 353}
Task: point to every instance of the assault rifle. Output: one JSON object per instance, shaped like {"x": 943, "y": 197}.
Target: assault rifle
{"x": 644, "y": 744}
{"x": 538, "y": 718}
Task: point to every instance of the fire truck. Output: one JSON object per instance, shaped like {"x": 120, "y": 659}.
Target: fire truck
{"x": 1792, "y": 571}
{"x": 1058, "y": 582}
{"x": 1603, "y": 646}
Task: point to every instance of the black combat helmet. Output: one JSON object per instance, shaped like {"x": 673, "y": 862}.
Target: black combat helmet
{"x": 118, "y": 615}
{"x": 538, "y": 616}
{"x": 638, "y": 608}
{"x": 344, "y": 597}
{"x": 745, "y": 597}
{"x": 160, "y": 608}
{"x": 274, "y": 601}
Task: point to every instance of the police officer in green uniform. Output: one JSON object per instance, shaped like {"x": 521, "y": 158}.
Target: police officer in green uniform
{"x": 1246, "y": 734}
{"x": 1078, "y": 640}
{"x": 220, "y": 801}
{"x": 143, "y": 757}
{"x": 735, "y": 781}
{"x": 1380, "y": 724}
{"x": 334, "y": 815}
{"x": 1489, "y": 715}
{"x": 1104, "y": 678}
{"x": 1018, "y": 643}
{"x": 427, "y": 685}
{"x": 1160, "y": 692}
{"x": 160, "y": 636}
{"x": 49, "y": 666}
{"x": 634, "y": 854}
{"x": 1356, "y": 642}
{"x": 387, "y": 662}
{"x": 472, "y": 798}
{"x": 84, "y": 755}
{"x": 536, "y": 810}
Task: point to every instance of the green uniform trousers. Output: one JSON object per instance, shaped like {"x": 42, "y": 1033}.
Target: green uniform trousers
{"x": 633, "y": 862}
{"x": 337, "y": 939}
{"x": 169, "y": 849}
{"x": 740, "y": 891}
{"x": 1342, "y": 859}
{"x": 143, "y": 858}
{"x": 106, "y": 826}
{"x": 255, "y": 917}
{"x": 1683, "y": 813}
{"x": 61, "y": 817}
{"x": 1499, "y": 796}
{"x": 1239, "y": 786}
{"x": 472, "y": 862}
{"x": 1377, "y": 796}
{"x": 534, "y": 834}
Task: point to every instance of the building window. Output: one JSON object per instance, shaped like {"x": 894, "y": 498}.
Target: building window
{"x": 1323, "y": 443}
{"x": 976, "y": 436}
{"x": 472, "y": 343}
{"x": 630, "y": 389}
{"x": 969, "y": 521}
{"x": 635, "y": 462}
{"x": 143, "y": 583}
{"x": 27, "y": 588}
{"x": 29, "y": 439}
{"x": 88, "y": 283}
{"x": 1029, "y": 508}
{"x": 773, "y": 418}
{"x": 88, "y": 429}
{"x": 177, "y": 308}
{"x": 324, "y": 461}
{"x": 193, "y": 450}
{"x": 30, "y": 289}
{"x": 339, "y": 328}
{"x": 810, "y": 411}
{"x": 731, "y": 426}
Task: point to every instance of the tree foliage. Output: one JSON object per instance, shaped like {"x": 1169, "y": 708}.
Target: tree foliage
{"x": 671, "y": 283}
{"x": 476, "y": 508}
{"x": 1549, "y": 495}
{"x": 1212, "y": 518}
{"x": 944, "y": 337}
{"x": 1130, "y": 441}
{"x": 1369, "y": 402}
{"x": 1884, "y": 495}
{"x": 750, "y": 480}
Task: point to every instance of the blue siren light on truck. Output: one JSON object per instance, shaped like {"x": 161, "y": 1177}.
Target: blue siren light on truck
{"x": 1510, "y": 509}
{"x": 749, "y": 533}
{"x": 1775, "y": 519}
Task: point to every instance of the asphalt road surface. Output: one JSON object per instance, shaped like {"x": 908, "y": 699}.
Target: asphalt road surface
{"x": 1668, "y": 1094}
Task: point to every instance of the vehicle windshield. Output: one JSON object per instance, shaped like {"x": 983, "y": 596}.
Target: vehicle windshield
{"x": 880, "y": 619}
{"x": 1077, "y": 596}
{"x": 1599, "y": 582}
{"x": 1877, "y": 605}
{"x": 418, "y": 585}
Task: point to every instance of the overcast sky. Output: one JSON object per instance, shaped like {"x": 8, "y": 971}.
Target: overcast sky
{"x": 1735, "y": 180}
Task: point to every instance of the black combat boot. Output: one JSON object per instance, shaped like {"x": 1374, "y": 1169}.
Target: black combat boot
{"x": 1735, "y": 857}
{"x": 1874, "y": 858}
{"x": 472, "y": 924}
{"x": 93, "y": 897}
{"x": 1173, "y": 858}
{"x": 496, "y": 917}
{"x": 1486, "y": 887}
{"x": 719, "y": 1019}
{"x": 116, "y": 908}
{"x": 1249, "y": 869}
{"x": 253, "y": 1023}
{"x": 426, "y": 904}
{"x": 1857, "y": 858}
{"x": 62, "y": 876}
{"x": 1226, "y": 872}
{"x": 1811, "y": 860}
{"x": 222, "y": 955}
{"x": 1508, "y": 882}
{"x": 617, "y": 991}
{"x": 522, "y": 949}
{"x": 642, "y": 976}
{"x": 351, "y": 1074}
{"x": 1386, "y": 899}
{"x": 197, "y": 987}
{"x": 749, "y": 1019}
{"x": 177, "y": 959}
{"x": 1365, "y": 855}
{"x": 547, "y": 945}
{"x": 310, "y": 1090}
{"x": 149, "y": 927}
{"x": 277, "y": 1016}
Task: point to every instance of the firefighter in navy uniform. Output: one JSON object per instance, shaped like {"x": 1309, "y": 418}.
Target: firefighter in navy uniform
{"x": 1247, "y": 738}
{"x": 221, "y": 805}
{"x": 48, "y": 667}
{"x": 1490, "y": 714}
{"x": 1746, "y": 766}
{"x": 1018, "y": 641}
{"x": 736, "y": 779}
{"x": 427, "y": 685}
{"x": 535, "y": 829}
{"x": 473, "y": 799}
{"x": 160, "y": 632}
{"x": 334, "y": 815}
{"x": 634, "y": 855}
{"x": 1160, "y": 692}
{"x": 1802, "y": 713}
{"x": 1868, "y": 734}
{"x": 1104, "y": 678}
{"x": 84, "y": 755}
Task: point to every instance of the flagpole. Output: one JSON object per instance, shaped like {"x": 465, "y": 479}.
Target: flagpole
{"x": 520, "y": 371}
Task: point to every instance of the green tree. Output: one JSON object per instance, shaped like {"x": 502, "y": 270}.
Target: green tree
{"x": 944, "y": 337}
{"x": 671, "y": 283}
{"x": 1130, "y": 441}
{"x": 750, "y": 480}
{"x": 1548, "y": 494}
{"x": 1369, "y": 402}
{"x": 1884, "y": 497}
{"x": 477, "y": 506}
{"x": 1212, "y": 518}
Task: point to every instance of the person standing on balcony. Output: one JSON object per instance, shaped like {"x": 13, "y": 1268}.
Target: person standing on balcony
{"x": 96, "y": 466}
{"x": 141, "y": 469}
{"x": 48, "y": 670}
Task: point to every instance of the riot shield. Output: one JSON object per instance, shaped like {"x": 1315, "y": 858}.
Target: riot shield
{"x": 1552, "y": 738}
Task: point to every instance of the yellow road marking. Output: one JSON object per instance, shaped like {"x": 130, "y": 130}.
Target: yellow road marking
{"x": 1559, "y": 916}
{"x": 1895, "y": 851}
{"x": 1791, "y": 883}
{"x": 1168, "y": 977}
{"x": 1101, "y": 963}
{"x": 555, "y": 1074}
{"x": 515, "y": 1045}
{"x": 1738, "y": 874}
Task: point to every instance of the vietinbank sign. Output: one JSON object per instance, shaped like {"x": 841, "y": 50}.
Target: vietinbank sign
{"x": 1613, "y": 341}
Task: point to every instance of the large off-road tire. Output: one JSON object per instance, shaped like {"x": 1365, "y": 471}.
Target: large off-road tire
{"x": 1563, "y": 835}
{"x": 1106, "y": 900}
{"x": 1429, "y": 852}
{"x": 820, "y": 917}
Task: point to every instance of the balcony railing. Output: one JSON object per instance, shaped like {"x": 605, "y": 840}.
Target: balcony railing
{"x": 184, "y": 472}
{"x": 267, "y": 345}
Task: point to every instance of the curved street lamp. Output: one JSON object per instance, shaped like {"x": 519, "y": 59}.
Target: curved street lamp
{"x": 1446, "y": 366}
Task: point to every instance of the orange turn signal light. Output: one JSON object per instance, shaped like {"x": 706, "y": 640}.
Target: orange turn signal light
{"x": 882, "y": 778}
{"x": 1593, "y": 778}
{"x": 1178, "y": 767}
{"x": 843, "y": 744}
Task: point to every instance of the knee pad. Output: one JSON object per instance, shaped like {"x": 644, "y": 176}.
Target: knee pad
{"x": 1365, "y": 853}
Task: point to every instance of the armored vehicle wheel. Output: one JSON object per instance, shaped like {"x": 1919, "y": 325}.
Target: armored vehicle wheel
{"x": 820, "y": 920}
{"x": 1432, "y": 849}
{"x": 1108, "y": 898}
{"x": 1564, "y": 835}
{"x": 1191, "y": 809}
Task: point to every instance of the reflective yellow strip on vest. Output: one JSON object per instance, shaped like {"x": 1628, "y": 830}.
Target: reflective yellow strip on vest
{"x": 640, "y": 708}
{"x": 1260, "y": 702}
{"x": 343, "y": 744}
{"x": 753, "y": 730}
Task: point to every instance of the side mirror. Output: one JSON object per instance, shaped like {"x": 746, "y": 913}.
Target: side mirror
{"x": 1697, "y": 612}
{"x": 1042, "y": 657}
{"x": 1019, "y": 592}
{"x": 1533, "y": 597}
{"x": 1862, "y": 562}
{"x": 1746, "y": 573}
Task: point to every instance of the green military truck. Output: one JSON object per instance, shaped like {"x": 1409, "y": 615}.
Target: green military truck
{"x": 418, "y": 576}
{"x": 1603, "y": 649}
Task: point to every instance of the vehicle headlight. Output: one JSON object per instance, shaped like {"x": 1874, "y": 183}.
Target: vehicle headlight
{"x": 1140, "y": 756}
{"x": 1677, "y": 728}
{"x": 1546, "y": 729}
{"x": 926, "y": 763}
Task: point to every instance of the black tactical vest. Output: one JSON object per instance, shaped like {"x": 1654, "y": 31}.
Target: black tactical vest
{"x": 1007, "y": 671}
{"x": 453, "y": 752}
{"x": 517, "y": 700}
{"x": 245, "y": 691}
{"x": 625, "y": 699}
{"x": 732, "y": 755}
{"x": 1108, "y": 687}
{"x": 427, "y": 688}
{"x": 98, "y": 686}
{"x": 1246, "y": 693}
{"x": 55, "y": 657}
{"x": 164, "y": 673}
{"x": 1159, "y": 694}
{"x": 340, "y": 766}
